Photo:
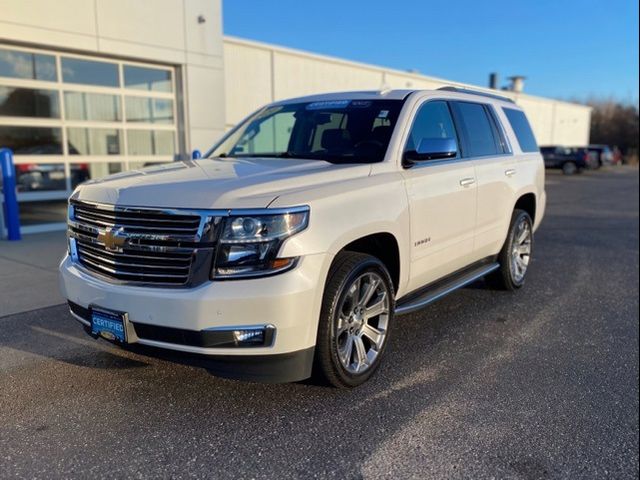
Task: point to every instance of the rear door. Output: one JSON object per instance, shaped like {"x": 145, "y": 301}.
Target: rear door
{"x": 485, "y": 143}
{"x": 442, "y": 199}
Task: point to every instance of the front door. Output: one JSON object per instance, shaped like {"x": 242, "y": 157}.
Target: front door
{"x": 442, "y": 199}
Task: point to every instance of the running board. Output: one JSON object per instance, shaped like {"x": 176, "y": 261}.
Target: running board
{"x": 440, "y": 289}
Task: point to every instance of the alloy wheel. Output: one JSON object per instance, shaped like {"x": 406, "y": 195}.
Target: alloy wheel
{"x": 361, "y": 327}
{"x": 521, "y": 250}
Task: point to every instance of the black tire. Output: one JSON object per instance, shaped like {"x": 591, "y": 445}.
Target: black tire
{"x": 347, "y": 267}
{"x": 569, "y": 168}
{"x": 504, "y": 278}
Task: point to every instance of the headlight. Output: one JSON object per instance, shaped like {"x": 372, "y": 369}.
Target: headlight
{"x": 249, "y": 244}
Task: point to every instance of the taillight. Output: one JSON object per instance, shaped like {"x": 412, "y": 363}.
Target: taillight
{"x": 25, "y": 167}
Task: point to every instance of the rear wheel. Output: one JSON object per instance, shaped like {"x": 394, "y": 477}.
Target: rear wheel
{"x": 357, "y": 312}
{"x": 515, "y": 256}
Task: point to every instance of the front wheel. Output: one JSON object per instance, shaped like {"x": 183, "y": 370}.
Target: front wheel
{"x": 515, "y": 256}
{"x": 569, "y": 168}
{"x": 355, "y": 320}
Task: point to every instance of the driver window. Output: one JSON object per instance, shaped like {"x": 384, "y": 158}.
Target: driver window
{"x": 433, "y": 120}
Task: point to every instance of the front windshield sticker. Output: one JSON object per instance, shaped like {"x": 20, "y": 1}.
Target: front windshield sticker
{"x": 383, "y": 114}
{"x": 361, "y": 103}
{"x": 328, "y": 104}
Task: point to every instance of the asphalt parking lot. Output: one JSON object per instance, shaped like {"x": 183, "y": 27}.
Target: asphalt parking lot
{"x": 538, "y": 384}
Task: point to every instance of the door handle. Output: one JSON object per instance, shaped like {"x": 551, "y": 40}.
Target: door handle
{"x": 465, "y": 182}
{"x": 510, "y": 173}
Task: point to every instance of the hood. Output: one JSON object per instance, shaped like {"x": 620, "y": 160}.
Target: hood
{"x": 219, "y": 183}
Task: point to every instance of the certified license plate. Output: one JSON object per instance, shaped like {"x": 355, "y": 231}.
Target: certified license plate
{"x": 108, "y": 324}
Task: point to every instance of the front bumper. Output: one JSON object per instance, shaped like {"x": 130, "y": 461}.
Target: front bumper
{"x": 290, "y": 302}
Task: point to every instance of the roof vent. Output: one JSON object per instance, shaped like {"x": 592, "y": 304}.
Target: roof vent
{"x": 517, "y": 83}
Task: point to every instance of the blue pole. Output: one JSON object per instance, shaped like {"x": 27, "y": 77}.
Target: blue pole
{"x": 11, "y": 212}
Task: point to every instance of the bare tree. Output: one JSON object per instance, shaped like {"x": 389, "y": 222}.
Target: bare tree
{"x": 616, "y": 124}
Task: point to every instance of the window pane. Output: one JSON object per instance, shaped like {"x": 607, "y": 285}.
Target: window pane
{"x": 141, "y": 78}
{"x": 88, "y": 72}
{"x": 32, "y": 140}
{"x": 150, "y": 142}
{"x": 478, "y": 129}
{"x": 43, "y": 211}
{"x": 32, "y": 66}
{"x": 93, "y": 141}
{"x": 38, "y": 177}
{"x": 92, "y": 106}
{"x": 433, "y": 120}
{"x": 81, "y": 172}
{"x": 28, "y": 102}
{"x": 151, "y": 110}
{"x": 273, "y": 133}
{"x": 522, "y": 129}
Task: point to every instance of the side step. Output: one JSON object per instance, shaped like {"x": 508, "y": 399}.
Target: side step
{"x": 433, "y": 292}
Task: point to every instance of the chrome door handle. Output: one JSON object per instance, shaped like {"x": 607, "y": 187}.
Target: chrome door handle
{"x": 510, "y": 173}
{"x": 465, "y": 182}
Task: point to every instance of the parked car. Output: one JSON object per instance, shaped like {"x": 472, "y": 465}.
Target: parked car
{"x": 602, "y": 154}
{"x": 302, "y": 235}
{"x": 570, "y": 160}
{"x": 33, "y": 177}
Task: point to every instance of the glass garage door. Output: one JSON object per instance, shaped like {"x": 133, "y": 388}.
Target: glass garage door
{"x": 69, "y": 118}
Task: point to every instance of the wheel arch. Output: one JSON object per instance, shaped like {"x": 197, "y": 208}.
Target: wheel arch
{"x": 382, "y": 245}
{"x": 527, "y": 202}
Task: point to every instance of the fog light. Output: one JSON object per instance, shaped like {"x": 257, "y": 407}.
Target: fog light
{"x": 254, "y": 336}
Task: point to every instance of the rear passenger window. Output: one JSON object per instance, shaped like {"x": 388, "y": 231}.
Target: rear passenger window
{"x": 477, "y": 128}
{"x": 522, "y": 129}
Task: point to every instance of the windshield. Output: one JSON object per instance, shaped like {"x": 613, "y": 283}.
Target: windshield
{"x": 338, "y": 131}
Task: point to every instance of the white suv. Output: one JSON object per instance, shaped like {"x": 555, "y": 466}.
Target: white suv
{"x": 300, "y": 237}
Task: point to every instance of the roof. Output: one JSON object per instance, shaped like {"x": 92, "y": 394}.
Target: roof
{"x": 355, "y": 95}
{"x": 392, "y": 95}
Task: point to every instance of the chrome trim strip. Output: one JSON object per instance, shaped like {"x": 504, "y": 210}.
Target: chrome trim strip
{"x": 227, "y": 328}
{"x": 241, "y": 352}
{"x": 138, "y": 247}
{"x": 79, "y": 318}
{"x": 115, "y": 271}
{"x": 81, "y": 217}
{"x": 91, "y": 247}
{"x": 412, "y": 307}
{"x": 116, "y": 264}
{"x": 135, "y": 235}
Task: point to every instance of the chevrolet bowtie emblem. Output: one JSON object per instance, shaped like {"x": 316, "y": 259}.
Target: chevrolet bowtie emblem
{"x": 113, "y": 240}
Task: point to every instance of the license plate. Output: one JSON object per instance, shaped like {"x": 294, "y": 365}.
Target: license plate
{"x": 108, "y": 324}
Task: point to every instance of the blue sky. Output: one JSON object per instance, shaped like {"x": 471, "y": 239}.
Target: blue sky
{"x": 567, "y": 49}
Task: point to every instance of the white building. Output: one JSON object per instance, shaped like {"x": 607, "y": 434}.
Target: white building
{"x": 91, "y": 87}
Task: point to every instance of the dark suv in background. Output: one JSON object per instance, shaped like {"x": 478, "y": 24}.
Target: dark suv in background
{"x": 569, "y": 159}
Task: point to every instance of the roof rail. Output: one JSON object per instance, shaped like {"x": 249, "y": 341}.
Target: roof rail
{"x": 476, "y": 92}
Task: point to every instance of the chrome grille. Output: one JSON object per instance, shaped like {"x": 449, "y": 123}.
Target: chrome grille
{"x": 141, "y": 245}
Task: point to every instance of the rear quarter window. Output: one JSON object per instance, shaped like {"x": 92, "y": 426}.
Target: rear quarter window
{"x": 522, "y": 129}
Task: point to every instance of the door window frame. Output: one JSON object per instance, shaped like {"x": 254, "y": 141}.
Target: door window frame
{"x": 461, "y": 148}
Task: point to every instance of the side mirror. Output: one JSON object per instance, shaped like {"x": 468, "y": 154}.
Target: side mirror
{"x": 432, "y": 149}
{"x": 196, "y": 155}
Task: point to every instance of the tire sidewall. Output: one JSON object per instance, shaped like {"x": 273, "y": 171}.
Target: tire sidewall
{"x": 371, "y": 264}
{"x": 569, "y": 168}
{"x": 518, "y": 216}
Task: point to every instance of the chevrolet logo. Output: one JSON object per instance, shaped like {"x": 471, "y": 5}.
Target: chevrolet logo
{"x": 113, "y": 240}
